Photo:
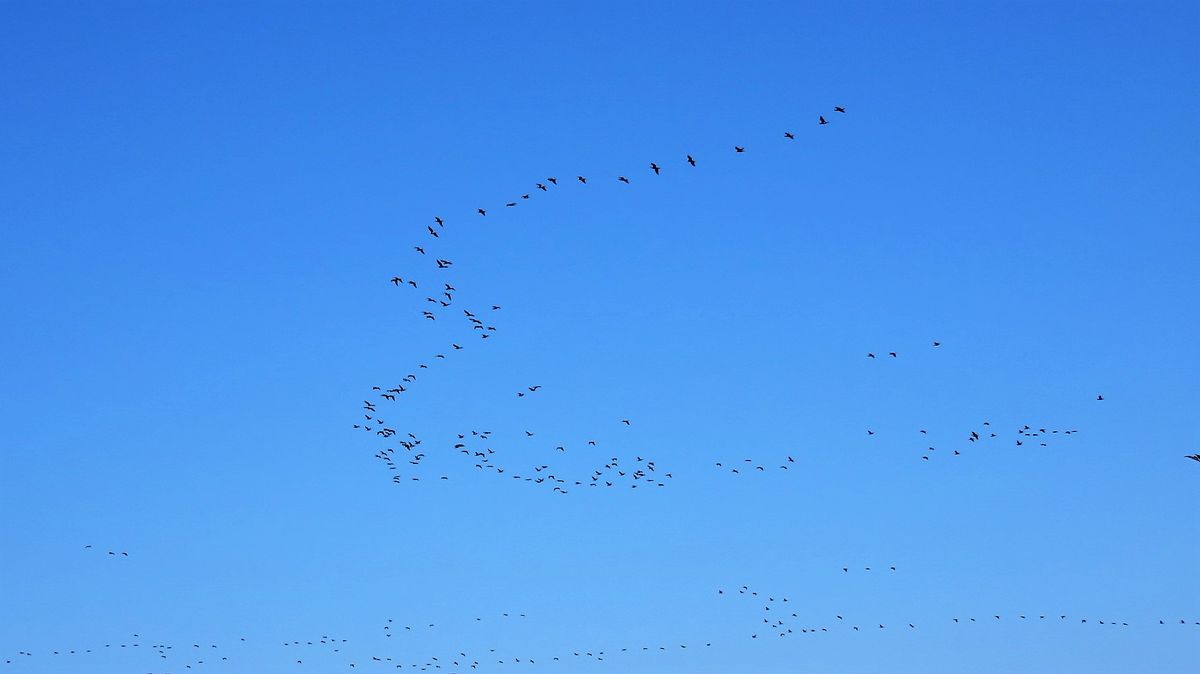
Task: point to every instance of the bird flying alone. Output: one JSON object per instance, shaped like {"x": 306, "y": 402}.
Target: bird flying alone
{"x": 654, "y": 167}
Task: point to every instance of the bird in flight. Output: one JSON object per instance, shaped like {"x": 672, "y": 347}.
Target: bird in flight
{"x": 821, "y": 120}
{"x": 691, "y": 161}
{"x": 581, "y": 179}
{"x": 1099, "y": 397}
{"x": 433, "y": 232}
{"x": 623, "y": 179}
{"x": 1193, "y": 457}
{"x": 552, "y": 181}
{"x": 788, "y": 136}
{"x": 837, "y": 108}
{"x": 654, "y": 167}
{"x": 439, "y": 221}
{"x": 481, "y": 211}
{"x": 541, "y": 187}
{"x": 625, "y": 421}
{"x": 396, "y": 280}
{"x": 419, "y": 249}
{"x": 738, "y": 149}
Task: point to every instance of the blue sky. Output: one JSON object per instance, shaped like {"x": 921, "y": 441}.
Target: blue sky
{"x": 200, "y": 206}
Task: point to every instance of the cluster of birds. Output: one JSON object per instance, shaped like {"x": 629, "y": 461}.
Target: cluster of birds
{"x": 782, "y": 619}
{"x": 442, "y": 299}
{"x": 186, "y": 656}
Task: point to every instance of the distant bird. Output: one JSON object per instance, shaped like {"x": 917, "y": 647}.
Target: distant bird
{"x": 892, "y": 354}
{"x": 654, "y": 167}
{"x": 821, "y": 120}
{"x": 524, "y": 196}
{"x": 870, "y": 355}
{"x": 623, "y": 179}
{"x": 552, "y": 181}
{"x": 838, "y": 109}
{"x": 581, "y": 179}
{"x": 541, "y": 187}
{"x": 738, "y": 149}
{"x": 481, "y": 211}
{"x": 1193, "y": 457}
{"x": 690, "y": 160}
{"x": 511, "y": 204}
{"x": 788, "y": 136}
{"x": 419, "y": 249}
{"x": 937, "y": 343}
{"x": 625, "y": 421}
{"x": 439, "y": 221}
{"x": 1099, "y": 397}
{"x": 396, "y": 280}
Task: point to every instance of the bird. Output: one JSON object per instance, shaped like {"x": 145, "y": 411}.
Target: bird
{"x": 870, "y": 355}
{"x": 623, "y": 179}
{"x": 788, "y": 136}
{"x": 1193, "y": 457}
{"x": 625, "y": 421}
{"x": 821, "y": 120}
{"x": 396, "y": 280}
{"x": 690, "y": 160}
{"x": 433, "y": 232}
{"x": 838, "y": 109}
{"x": 738, "y": 149}
{"x": 552, "y": 181}
{"x": 654, "y": 167}
{"x": 481, "y": 211}
{"x": 439, "y": 221}
{"x": 419, "y": 249}
{"x": 581, "y": 179}
{"x": 937, "y": 344}
{"x": 1099, "y": 397}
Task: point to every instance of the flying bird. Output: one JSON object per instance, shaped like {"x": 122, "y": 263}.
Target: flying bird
{"x": 838, "y": 109}
{"x": 738, "y": 149}
{"x": 788, "y": 136}
{"x": 481, "y": 211}
{"x": 654, "y": 167}
{"x": 821, "y": 120}
{"x": 623, "y": 179}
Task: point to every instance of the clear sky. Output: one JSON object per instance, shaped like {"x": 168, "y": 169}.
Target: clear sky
{"x": 201, "y": 205}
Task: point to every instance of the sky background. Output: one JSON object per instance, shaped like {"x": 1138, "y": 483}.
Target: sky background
{"x": 201, "y": 205}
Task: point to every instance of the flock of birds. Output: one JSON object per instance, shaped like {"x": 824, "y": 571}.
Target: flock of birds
{"x": 521, "y": 459}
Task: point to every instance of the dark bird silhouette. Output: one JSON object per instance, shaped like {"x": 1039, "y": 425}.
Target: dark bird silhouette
{"x": 481, "y": 211}
{"x": 1099, "y": 397}
{"x": 439, "y": 221}
{"x": 654, "y": 167}
{"x": 1193, "y": 457}
{"x": 690, "y": 160}
{"x": 433, "y": 232}
{"x": 625, "y": 421}
{"x": 937, "y": 343}
{"x": 511, "y": 204}
{"x": 541, "y": 187}
{"x": 419, "y": 249}
{"x": 870, "y": 355}
{"x": 623, "y": 179}
{"x": 396, "y": 280}
{"x": 821, "y": 120}
{"x": 838, "y": 109}
{"x": 738, "y": 149}
{"x": 581, "y": 179}
{"x": 788, "y": 136}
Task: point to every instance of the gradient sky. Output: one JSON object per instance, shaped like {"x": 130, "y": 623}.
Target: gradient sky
{"x": 201, "y": 204}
